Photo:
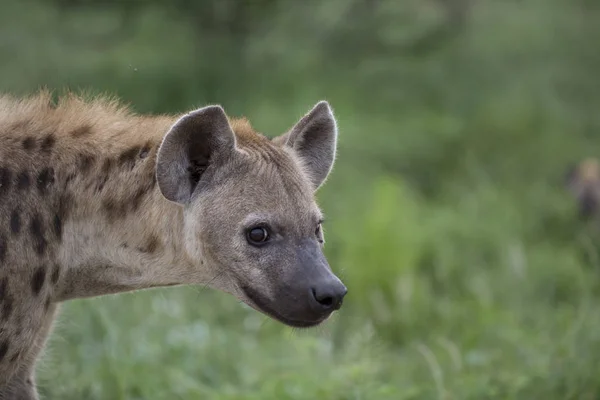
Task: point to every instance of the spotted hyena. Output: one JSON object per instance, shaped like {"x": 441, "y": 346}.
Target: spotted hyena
{"x": 97, "y": 200}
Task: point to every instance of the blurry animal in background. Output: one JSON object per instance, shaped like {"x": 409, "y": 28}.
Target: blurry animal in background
{"x": 583, "y": 181}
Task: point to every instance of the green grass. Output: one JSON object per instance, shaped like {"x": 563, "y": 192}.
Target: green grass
{"x": 473, "y": 311}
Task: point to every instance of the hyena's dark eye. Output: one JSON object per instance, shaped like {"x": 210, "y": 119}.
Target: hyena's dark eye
{"x": 258, "y": 235}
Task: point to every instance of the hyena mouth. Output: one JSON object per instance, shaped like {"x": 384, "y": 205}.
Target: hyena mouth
{"x": 261, "y": 304}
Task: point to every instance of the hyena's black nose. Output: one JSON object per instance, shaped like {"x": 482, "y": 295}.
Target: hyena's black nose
{"x": 329, "y": 295}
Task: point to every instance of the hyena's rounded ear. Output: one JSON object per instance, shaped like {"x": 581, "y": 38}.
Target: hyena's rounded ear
{"x": 194, "y": 142}
{"x": 314, "y": 139}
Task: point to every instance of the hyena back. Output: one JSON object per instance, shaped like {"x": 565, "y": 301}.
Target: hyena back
{"x": 96, "y": 200}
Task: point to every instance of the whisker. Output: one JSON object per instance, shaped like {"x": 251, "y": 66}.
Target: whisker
{"x": 206, "y": 285}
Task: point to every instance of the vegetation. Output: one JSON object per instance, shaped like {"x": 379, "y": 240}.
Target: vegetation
{"x": 470, "y": 275}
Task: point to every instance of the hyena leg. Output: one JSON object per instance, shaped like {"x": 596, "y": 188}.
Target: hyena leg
{"x": 21, "y": 385}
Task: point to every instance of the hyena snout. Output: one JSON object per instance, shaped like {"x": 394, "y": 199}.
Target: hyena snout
{"x": 327, "y": 295}
{"x": 305, "y": 295}
{"x": 315, "y": 291}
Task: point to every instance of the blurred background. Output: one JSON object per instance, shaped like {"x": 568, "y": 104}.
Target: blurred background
{"x": 471, "y": 272}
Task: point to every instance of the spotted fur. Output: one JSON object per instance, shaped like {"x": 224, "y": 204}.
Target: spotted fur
{"x": 95, "y": 199}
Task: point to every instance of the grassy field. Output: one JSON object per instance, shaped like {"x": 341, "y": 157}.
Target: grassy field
{"x": 470, "y": 275}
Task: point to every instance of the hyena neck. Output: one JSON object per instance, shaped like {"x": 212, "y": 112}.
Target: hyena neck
{"x": 120, "y": 234}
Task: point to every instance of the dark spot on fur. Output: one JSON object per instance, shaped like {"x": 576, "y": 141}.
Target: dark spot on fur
{"x": 45, "y": 179}
{"x": 36, "y": 225}
{"x": 3, "y": 349}
{"x": 127, "y": 158}
{"x": 5, "y": 299}
{"x": 28, "y": 143}
{"x": 145, "y": 150}
{"x": 69, "y": 179}
{"x": 139, "y": 194}
{"x": 37, "y": 280}
{"x": 23, "y": 181}
{"x": 15, "y": 222}
{"x": 37, "y": 233}
{"x": 15, "y": 356}
{"x": 64, "y": 205}
{"x": 47, "y": 303}
{"x": 5, "y": 180}
{"x": 107, "y": 165}
{"x": 81, "y": 131}
{"x": 113, "y": 210}
{"x": 85, "y": 162}
{"x": 3, "y": 248}
{"x": 48, "y": 143}
{"x": 57, "y": 225}
{"x": 3, "y": 288}
{"x": 7, "y": 307}
{"x": 110, "y": 208}
{"x": 137, "y": 198}
{"x": 55, "y": 274}
{"x": 150, "y": 246}
{"x": 100, "y": 184}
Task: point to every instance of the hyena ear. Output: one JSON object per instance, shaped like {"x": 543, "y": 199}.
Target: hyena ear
{"x": 194, "y": 142}
{"x": 314, "y": 139}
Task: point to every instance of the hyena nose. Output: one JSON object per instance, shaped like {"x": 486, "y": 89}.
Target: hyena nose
{"x": 329, "y": 295}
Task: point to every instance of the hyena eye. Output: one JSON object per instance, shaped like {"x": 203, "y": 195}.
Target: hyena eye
{"x": 258, "y": 235}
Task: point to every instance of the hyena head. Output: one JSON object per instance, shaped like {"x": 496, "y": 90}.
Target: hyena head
{"x": 250, "y": 214}
{"x": 583, "y": 181}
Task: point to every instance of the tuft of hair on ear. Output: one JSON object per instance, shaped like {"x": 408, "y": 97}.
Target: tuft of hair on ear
{"x": 196, "y": 169}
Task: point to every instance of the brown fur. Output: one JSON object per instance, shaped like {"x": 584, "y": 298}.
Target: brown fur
{"x": 82, "y": 214}
{"x": 583, "y": 181}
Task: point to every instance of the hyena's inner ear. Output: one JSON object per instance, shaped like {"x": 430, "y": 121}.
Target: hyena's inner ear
{"x": 194, "y": 142}
{"x": 314, "y": 139}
